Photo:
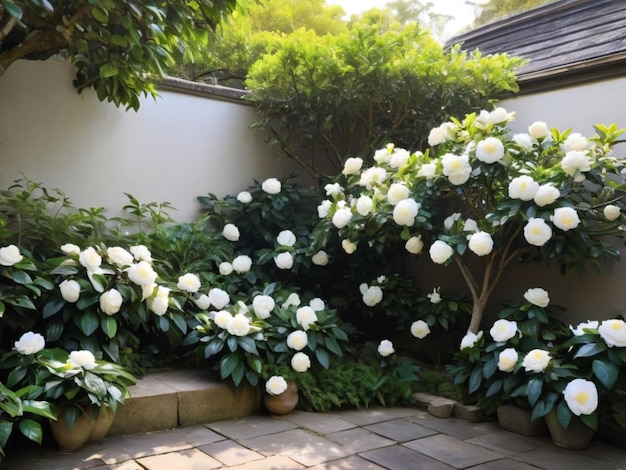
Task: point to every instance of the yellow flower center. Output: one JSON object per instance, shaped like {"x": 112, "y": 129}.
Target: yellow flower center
{"x": 616, "y": 326}
{"x": 582, "y": 397}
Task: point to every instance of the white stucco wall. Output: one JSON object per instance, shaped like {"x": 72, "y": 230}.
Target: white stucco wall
{"x": 174, "y": 149}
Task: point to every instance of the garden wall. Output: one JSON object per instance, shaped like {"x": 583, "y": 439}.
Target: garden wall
{"x": 174, "y": 149}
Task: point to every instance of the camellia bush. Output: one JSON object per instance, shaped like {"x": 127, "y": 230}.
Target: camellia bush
{"x": 481, "y": 193}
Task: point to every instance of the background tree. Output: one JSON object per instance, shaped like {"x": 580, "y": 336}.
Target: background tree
{"x": 120, "y": 47}
{"x": 497, "y": 9}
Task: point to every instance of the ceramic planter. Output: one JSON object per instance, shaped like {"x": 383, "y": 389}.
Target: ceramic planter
{"x": 72, "y": 438}
{"x": 515, "y": 419}
{"x": 576, "y": 436}
{"x": 284, "y": 403}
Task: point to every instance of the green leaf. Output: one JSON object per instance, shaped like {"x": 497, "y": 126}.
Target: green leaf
{"x": 590, "y": 349}
{"x": 475, "y": 379}
{"x": 494, "y": 388}
{"x": 108, "y": 70}
{"x": 100, "y": 14}
{"x": 53, "y": 306}
{"x": 6, "y": 428}
{"x": 21, "y": 277}
{"x": 213, "y": 348}
{"x": 228, "y": 365}
{"x": 31, "y": 429}
{"x": 180, "y": 322}
{"x": 248, "y": 345}
{"x": 109, "y": 326}
{"x": 564, "y": 414}
{"x": 322, "y": 357}
{"x": 533, "y": 392}
{"x": 88, "y": 323}
{"x": 606, "y": 372}
{"x": 15, "y": 11}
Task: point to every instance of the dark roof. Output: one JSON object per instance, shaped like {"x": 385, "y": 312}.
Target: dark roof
{"x": 567, "y": 42}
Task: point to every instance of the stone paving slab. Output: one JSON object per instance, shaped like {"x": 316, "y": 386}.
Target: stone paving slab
{"x": 455, "y": 427}
{"x": 359, "y": 440}
{"x": 400, "y": 430}
{"x": 552, "y": 457}
{"x": 192, "y": 459}
{"x": 251, "y": 426}
{"x": 452, "y": 451}
{"x": 377, "y": 415}
{"x": 320, "y": 423}
{"x": 275, "y": 462}
{"x": 230, "y": 453}
{"x": 509, "y": 443}
{"x": 398, "y": 457}
{"x": 353, "y": 462}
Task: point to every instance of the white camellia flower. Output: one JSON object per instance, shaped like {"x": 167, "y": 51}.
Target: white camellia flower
{"x": 119, "y": 256}
{"x": 385, "y": 348}
{"x": 428, "y": 171}
{"x": 490, "y": 150}
{"x": 383, "y": 155}
{"x": 537, "y": 232}
{"x": 434, "y": 296}
{"x": 499, "y": 115}
{"x": 405, "y": 212}
{"x": 147, "y": 290}
{"x": 317, "y": 304}
{"x": 372, "y": 296}
{"x": 83, "y": 358}
{"x": 581, "y": 327}
{"x": 300, "y": 362}
{"x": 30, "y": 343}
{"x": 271, "y": 186}
{"x": 581, "y": 396}
{"x": 239, "y": 325}
{"x": 348, "y": 246}
{"x": 189, "y": 283}
{"x": 470, "y": 339}
{"x": 142, "y": 273}
{"x": 244, "y": 197}
{"x": 89, "y": 258}
{"x": 439, "y": 135}
{"x": 160, "y": 302}
{"x": 263, "y": 306}
{"x": 324, "y": 208}
{"x": 397, "y": 192}
{"x": 320, "y": 258}
{"x": 539, "y": 130}
{"x": 440, "y": 252}
{"x": 507, "y": 359}
{"x": 222, "y": 319}
{"x": 219, "y": 298}
{"x": 141, "y": 253}
{"x": 575, "y": 161}
{"x": 70, "y": 290}
{"x": 111, "y": 301}
{"x": 414, "y": 245}
{"x": 294, "y": 300}
{"x": 225, "y": 268}
{"x": 231, "y": 232}
{"x": 503, "y": 330}
{"x": 524, "y": 141}
{"x": 536, "y": 360}
{"x": 242, "y": 264}
{"x": 480, "y": 243}
{"x": 297, "y": 340}
{"x": 537, "y": 296}
{"x": 364, "y": 205}
{"x": 523, "y": 187}
{"x": 305, "y": 316}
{"x": 333, "y": 189}
{"x": 286, "y": 238}
{"x": 70, "y": 249}
{"x": 284, "y": 260}
{"x": 203, "y": 302}
{"x": 352, "y": 166}
{"x": 470, "y": 225}
{"x": 420, "y": 329}
{"x": 399, "y": 158}
{"x": 275, "y": 385}
{"x": 565, "y": 218}
{"x": 611, "y": 212}
{"x": 342, "y": 217}
{"x": 373, "y": 176}
{"x": 576, "y": 141}
{"x": 613, "y": 332}
{"x": 449, "y": 221}
{"x": 546, "y": 194}
{"x": 10, "y": 255}
{"x": 456, "y": 168}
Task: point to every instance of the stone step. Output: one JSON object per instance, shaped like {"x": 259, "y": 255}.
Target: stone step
{"x": 165, "y": 400}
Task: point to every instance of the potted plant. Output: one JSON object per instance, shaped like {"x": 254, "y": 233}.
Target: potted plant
{"x": 80, "y": 388}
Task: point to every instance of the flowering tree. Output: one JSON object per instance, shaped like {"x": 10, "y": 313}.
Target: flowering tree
{"x": 542, "y": 195}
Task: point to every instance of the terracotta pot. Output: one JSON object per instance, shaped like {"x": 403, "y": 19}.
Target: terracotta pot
{"x": 576, "y": 436}
{"x": 102, "y": 424}
{"x": 71, "y": 438}
{"x": 284, "y": 403}
{"x": 515, "y": 419}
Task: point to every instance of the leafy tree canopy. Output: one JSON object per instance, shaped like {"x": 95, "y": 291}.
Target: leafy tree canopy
{"x": 120, "y": 47}
{"x": 497, "y": 9}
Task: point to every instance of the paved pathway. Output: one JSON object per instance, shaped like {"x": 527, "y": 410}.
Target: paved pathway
{"x": 378, "y": 438}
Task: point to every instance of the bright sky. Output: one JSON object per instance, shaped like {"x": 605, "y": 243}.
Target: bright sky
{"x": 461, "y": 11}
